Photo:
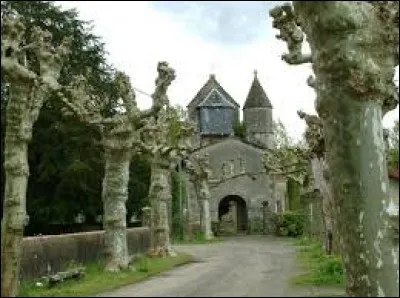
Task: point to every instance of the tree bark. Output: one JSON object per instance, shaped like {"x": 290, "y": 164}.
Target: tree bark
{"x": 160, "y": 195}
{"x": 330, "y": 238}
{"x": 17, "y": 136}
{"x": 115, "y": 195}
{"x": 353, "y": 62}
{"x": 205, "y": 219}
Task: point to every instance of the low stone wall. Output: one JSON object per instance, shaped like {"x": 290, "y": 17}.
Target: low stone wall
{"x": 45, "y": 254}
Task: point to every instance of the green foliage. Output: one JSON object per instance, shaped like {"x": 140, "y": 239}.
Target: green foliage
{"x": 143, "y": 263}
{"x": 323, "y": 269}
{"x": 179, "y": 198}
{"x": 176, "y": 116}
{"x": 281, "y": 137}
{"x": 139, "y": 181}
{"x": 303, "y": 241}
{"x": 65, "y": 156}
{"x": 215, "y": 227}
{"x": 393, "y": 154}
{"x": 239, "y": 129}
{"x": 288, "y": 224}
{"x": 293, "y": 192}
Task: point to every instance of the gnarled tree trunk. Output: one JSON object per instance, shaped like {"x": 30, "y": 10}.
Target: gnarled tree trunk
{"x": 354, "y": 64}
{"x": 331, "y": 236}
{"x": 205, "y": 219}
{"x": 160, "y": 195}
{"x": 27, "y": 92}
{"x": 115, "y": 195}
{"x": 18, "y": 135}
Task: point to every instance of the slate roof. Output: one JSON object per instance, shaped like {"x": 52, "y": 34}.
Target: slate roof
{"x": 215, "y": 99}
{"x": 257, "y": 97}
{"x": 205, "y": 91}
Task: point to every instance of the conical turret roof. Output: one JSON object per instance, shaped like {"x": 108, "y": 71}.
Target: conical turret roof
{"x": 257, "y": 97}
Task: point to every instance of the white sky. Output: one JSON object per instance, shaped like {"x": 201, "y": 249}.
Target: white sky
{"x": 139, "y": 34}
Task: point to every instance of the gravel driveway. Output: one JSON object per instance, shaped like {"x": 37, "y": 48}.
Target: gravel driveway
{"x": 245, "y": 266}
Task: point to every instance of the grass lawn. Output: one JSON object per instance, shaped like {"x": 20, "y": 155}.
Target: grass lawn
{"x": 322, "y": 269}
{"x": 96, "y": 280}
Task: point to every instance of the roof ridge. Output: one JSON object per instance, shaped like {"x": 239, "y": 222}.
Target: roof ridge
{"x": 207, "y": 88}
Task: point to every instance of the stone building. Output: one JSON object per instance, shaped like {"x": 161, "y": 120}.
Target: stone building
{"x": 236, "y": 164}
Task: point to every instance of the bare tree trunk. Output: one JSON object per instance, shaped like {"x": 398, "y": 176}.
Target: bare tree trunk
{"x": 205, "y": 219}
{"x": 17, "y": 137}
{"x": 360, "y": 184}
{"x": 318, "y": 167}
{"x": 115, "y": 195}
{"x": 160, "y": 195}
{"x": 354, "y": 64}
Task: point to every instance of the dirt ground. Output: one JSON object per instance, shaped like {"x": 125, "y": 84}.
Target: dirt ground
{"x": 245, "y": 266}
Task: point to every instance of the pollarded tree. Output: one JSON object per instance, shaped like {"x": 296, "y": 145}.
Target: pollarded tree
{"x": 199, "y": 169}
{"x": 354, "y": 52}
{"x": 393, "y": 146}
{"x": 120, "y": 137}
{"x": 28, "y": 88}
{"x": 290, "y": 162}
{"x": 167, "y": 141}
{"x": 65, "y": 160}
{"x": 315, "y": 140}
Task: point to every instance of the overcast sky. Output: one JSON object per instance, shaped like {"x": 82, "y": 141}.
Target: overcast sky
{"x": 197, "y": 38}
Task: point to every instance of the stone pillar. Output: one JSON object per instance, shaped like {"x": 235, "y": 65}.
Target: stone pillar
{"x": 233, "y": 207}
{"x": 187, "y": 231}
{"x": 267, "y": 218}
{"x": 206, "y": 220}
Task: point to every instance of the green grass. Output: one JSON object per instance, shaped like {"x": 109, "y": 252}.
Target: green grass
{"x": 305, "y": 241}
{"x": 322, "y": 269}
{"x": 97, "y": 280}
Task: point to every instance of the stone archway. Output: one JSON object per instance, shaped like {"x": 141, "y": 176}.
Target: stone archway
{"x": 241, "y": 216}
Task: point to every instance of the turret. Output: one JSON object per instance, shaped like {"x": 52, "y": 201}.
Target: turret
{"x": 257, "y": 116}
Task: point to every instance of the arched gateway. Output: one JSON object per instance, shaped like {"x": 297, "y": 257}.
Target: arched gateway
{"x": 237, "y": 205}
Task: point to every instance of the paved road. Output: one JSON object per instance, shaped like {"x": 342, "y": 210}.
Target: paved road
{"x": 238, "y": 267}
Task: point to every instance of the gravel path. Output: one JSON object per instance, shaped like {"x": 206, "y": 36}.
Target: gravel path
{"x": 237, "y": 267}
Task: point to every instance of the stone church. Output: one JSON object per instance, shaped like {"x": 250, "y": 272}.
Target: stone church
{"x": 238, "y": 177}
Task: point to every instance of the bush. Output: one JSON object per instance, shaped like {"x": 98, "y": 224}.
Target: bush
{"x": 239, "y": 130}
{"x": 323, "y": 269}
{"x": 215, "y": 227}
{"x": 142, "y": 261}
{"x": 289, "y": 224}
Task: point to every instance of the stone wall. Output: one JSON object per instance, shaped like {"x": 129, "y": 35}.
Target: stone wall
{"x": 50, "y": 253}
{"x": 237, "y": 170}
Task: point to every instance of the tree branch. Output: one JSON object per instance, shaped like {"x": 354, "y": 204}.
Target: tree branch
{"x": 285, "y": 21}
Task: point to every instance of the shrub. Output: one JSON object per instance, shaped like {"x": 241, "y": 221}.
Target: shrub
{"x": 239, "y": 129}
{"x": 215, "y": 227}
{"x": 289, "y": 224}
{"x": 323, "y": 269}
{"x": 142, "y": 261}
